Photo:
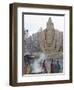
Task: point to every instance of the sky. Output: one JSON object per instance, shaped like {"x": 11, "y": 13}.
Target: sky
{"x": 34, "y": 22}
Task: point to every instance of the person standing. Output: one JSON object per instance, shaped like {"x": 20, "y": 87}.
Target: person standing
{"x": 58, "y": 67}
{"x": 44, "y": 67}
{"x": 52, "y": 67}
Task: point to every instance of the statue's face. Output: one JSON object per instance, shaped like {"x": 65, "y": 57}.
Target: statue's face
{"x": 50, "y": 26}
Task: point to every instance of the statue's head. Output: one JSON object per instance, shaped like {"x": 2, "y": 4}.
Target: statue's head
{"x": 50, "y": 24}
{"x": 49, "y": 20}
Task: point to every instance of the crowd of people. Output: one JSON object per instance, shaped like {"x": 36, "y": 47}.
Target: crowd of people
{"x": 54, "y": 67}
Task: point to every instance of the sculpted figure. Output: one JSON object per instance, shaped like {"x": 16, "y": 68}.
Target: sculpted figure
{"x": 50, "y": 39}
